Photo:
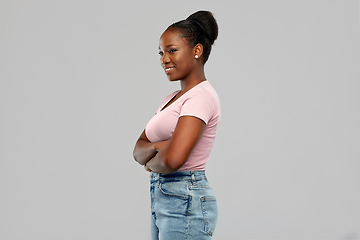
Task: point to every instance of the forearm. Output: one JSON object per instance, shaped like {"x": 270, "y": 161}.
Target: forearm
{"x": 144, "y": 151}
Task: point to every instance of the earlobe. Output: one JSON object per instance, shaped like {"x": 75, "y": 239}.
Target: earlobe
{"x": 198, "y": 50}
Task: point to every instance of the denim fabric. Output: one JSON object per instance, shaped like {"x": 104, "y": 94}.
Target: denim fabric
{"x": 183, "y": 206}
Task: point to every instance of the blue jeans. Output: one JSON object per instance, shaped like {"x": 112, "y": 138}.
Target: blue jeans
{"x": 183, "y": 206}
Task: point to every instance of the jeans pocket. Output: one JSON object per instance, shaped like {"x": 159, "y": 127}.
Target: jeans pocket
{"x": 175, "y": 198}
{"x": 175, "y": 189}
{"x": 210, "y": 213}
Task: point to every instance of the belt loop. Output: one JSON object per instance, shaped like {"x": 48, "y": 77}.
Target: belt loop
{"x": 193, "y": 178}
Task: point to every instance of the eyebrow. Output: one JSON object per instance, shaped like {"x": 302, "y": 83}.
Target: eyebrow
{"x": 170, "y": 45}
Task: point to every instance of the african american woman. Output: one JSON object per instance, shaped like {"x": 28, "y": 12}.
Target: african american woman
{"x": 177, "y": 141}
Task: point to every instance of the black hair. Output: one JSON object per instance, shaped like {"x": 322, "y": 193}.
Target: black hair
{"x": 200, "y": 27}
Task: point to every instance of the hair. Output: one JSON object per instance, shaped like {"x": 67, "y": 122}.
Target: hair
{"x": 200, "y": 27}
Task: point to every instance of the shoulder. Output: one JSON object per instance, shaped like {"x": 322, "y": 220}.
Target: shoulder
{"x": 204, "y": 91}
{"x": 202, "y": 101}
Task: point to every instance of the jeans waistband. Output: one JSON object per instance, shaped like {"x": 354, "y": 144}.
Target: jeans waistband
{"x": 178, "y": 176}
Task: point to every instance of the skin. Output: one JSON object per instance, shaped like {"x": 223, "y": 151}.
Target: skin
{"x": 177, "y": 58}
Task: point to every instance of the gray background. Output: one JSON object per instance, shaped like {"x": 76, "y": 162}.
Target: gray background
{"x": 80, "y": 79}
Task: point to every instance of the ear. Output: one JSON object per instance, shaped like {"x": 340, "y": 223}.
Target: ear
{"x": 198, "y": 50}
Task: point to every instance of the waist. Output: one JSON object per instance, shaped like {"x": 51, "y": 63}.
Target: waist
{"x": 178, "y": 176}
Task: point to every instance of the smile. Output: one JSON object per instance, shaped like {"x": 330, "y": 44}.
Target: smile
{"x": 167, "y": 70}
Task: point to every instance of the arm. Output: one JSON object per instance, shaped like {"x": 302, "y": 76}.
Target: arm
{"x": 184, "y": 139}
{"x": 145, "y": 150}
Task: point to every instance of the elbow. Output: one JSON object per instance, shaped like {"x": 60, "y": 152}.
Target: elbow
{"x": 137, "y": 157}
{"x": 166, "y": 162}
{"x": 172, "y": 164}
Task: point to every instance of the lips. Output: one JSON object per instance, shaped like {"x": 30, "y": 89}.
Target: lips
{"x": 168, "y": 69}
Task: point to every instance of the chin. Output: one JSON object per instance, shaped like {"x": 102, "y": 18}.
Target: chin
{"x": 172, "y": 79}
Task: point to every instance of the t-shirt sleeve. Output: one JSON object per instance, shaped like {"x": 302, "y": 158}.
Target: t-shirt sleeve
{"x": 198, "y": 105}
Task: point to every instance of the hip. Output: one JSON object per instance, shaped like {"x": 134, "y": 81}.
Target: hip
{"x": 183, "y": 197}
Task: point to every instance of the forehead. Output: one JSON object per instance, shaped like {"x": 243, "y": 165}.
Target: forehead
{"x": 171, "y": 37}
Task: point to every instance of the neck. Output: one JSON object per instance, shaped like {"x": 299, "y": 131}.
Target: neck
{"x": 191, "y": 81}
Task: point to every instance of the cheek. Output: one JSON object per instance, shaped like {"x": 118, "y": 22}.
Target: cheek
{"x": 183, "y": 60}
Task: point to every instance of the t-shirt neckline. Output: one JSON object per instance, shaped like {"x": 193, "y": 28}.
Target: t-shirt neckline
{"x": 175, "y": 93}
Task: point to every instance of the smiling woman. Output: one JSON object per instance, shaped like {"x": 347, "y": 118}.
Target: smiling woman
{"x": 177, "y": 141}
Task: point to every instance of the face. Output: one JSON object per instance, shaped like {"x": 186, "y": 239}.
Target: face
{"x": 176, "y": 56}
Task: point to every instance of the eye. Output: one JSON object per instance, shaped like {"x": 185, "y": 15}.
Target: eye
{"x": 172, "y": 50}
{"x": 161, "y": 53}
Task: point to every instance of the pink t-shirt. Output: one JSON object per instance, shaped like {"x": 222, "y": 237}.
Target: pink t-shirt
{"x": 202, "y": 102}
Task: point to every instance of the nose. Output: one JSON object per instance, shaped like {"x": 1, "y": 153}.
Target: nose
{"x": 165, "y": 59}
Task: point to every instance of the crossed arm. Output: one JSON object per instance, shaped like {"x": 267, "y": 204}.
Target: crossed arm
{"x": 168, "y": 156}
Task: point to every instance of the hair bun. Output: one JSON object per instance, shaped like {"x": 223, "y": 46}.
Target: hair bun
{"x": 208, "y": 22}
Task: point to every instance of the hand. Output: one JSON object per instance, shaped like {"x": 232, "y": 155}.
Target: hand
{"x": 147, "y": 168}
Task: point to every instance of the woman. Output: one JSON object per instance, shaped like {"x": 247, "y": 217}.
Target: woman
{"x": 177, "y": 141}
